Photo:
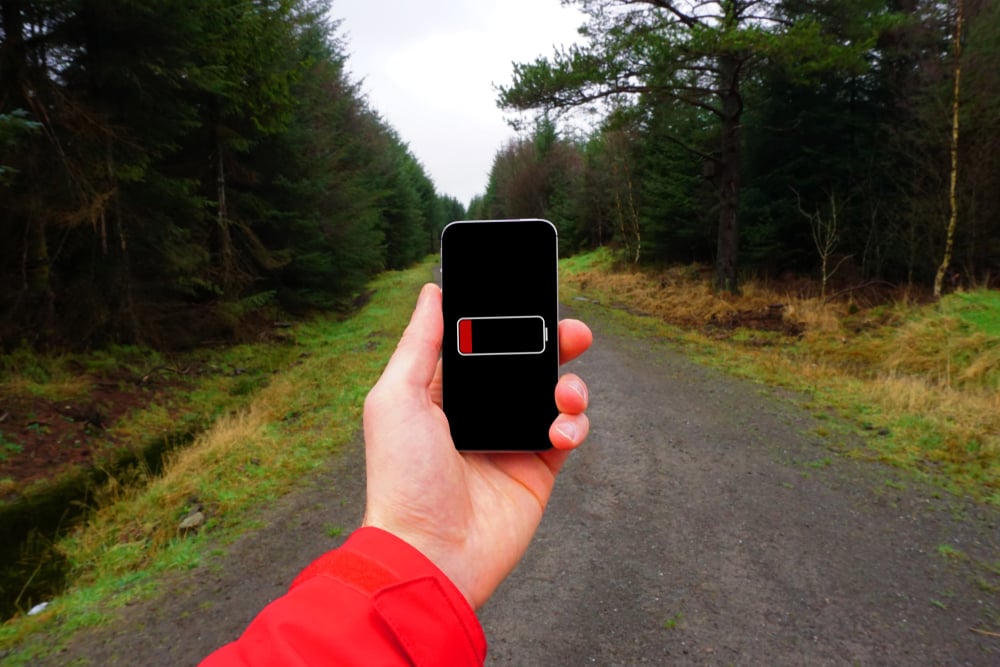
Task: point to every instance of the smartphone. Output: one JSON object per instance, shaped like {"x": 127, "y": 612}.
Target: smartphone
{"x": 500, "y": 351}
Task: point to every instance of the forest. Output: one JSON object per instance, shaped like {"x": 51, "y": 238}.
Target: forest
{"x": 173, "y": 172}
{"x": 176, "y": 172}
{"x": 854, "y": 141}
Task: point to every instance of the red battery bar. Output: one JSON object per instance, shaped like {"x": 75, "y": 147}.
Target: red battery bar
{"x": 486, "y": 336}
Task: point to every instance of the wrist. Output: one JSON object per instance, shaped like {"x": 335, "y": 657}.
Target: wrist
{"x": 440, "y": 555}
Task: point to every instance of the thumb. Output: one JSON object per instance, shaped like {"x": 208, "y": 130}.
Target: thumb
{"x": 415, "y": 359}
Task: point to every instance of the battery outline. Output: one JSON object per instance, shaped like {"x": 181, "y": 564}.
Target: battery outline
{"x": 465, "y": 336}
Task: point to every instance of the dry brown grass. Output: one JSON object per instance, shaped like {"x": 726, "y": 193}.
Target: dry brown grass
{"x": 815, "y": 316}
{"x": 940, "y": 352}
{"x": 951, "y": 431}
{"x": 684, "y": 296}
{"x": 56, "y": 389}
{"x": 140, "y": 509}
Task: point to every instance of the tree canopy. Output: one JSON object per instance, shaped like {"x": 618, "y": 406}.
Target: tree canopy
{"x": 172, "y": 169}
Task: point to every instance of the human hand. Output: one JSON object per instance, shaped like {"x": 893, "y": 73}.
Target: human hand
{"x": 471, "y": 514}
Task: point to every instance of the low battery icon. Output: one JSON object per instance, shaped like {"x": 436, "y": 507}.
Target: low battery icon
{"x": 491, "y": 336}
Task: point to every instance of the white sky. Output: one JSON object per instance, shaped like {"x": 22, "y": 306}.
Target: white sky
{"x": 429, "y": 68}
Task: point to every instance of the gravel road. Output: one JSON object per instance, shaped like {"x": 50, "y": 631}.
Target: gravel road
{"x": 705, "y": 522}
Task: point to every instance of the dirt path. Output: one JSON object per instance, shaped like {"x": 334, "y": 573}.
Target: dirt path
{"x": 703, "y": 523}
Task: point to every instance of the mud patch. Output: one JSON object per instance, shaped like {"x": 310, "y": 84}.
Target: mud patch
{"x": 44, "y": 439}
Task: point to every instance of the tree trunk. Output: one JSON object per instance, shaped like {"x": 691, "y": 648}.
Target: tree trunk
{"x": 953, "y": 176}
{"x": 727, "y": 257}
{"x": 126, "y": 265}
{"x": 12, "y": 54}
{"x": 37, "y": 276}
{"x": 225, "y": 233}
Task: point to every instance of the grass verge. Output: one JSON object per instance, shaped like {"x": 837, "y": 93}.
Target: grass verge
{"x": 920, "y": 382}
{"x": 248, "y": 457}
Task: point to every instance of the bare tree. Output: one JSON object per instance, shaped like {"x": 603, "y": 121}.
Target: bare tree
{"x": 826, "y": 238}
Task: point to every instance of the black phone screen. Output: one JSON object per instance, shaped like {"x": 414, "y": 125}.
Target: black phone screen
{"x": 500, "y": 352}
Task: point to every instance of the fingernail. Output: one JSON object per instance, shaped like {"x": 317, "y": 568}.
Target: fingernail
{"x": 580, "y": 389}
{"x": 568, "y": 430}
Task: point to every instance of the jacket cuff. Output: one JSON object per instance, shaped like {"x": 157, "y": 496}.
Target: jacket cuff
{"x": 430, "y": 617}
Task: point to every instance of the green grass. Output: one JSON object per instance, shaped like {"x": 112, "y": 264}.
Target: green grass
{"x": 599, "y": 260}
{"x": 7, "y": 448}
{"x": 305, "y": 412}
{"x": 979, "y": 308}
{"x": 950, "y": 552}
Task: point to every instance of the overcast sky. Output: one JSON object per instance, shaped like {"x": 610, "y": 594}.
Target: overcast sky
{"x": 429, "y": 68}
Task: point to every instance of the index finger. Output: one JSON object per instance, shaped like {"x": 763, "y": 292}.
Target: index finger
{"x": 574, "y": 339}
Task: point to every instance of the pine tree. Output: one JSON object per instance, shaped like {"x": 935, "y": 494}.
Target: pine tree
{"x": 699, "y": 56}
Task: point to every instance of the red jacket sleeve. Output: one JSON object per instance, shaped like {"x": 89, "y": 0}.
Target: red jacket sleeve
{"x": 374, "y": 601}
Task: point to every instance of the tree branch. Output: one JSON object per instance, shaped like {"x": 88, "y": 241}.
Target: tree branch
{"x": 689, "y": 20}
{"x": 691, "y": 149}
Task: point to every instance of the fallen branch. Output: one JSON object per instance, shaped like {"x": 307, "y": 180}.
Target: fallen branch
{"x": 179, "y": 371}
{"x": 986, "y": 633}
